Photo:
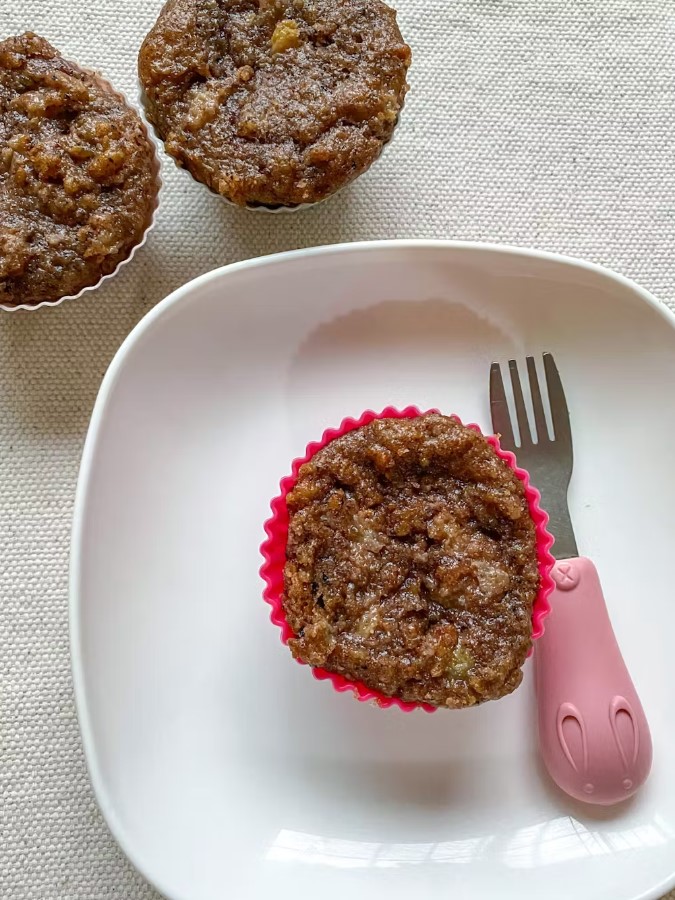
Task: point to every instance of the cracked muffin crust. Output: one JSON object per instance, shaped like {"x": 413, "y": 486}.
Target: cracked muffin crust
{"x": 274, "y": 102}
{"x": 411, "y": 562}
{"x": 77, "y": 180}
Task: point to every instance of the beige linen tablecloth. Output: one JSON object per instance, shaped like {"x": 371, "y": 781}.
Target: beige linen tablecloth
{"x": 547, "y": 123}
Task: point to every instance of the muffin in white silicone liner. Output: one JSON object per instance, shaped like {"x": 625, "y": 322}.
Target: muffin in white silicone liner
{"x": 275, "y": 105}
{"x": 79, "y": 177}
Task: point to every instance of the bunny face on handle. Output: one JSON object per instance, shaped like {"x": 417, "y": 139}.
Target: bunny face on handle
{"x": 614, "y": 765}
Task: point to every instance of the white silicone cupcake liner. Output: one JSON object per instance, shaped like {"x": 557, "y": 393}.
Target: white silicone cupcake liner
{"x": 258, "y": 207}
{"x": 106, "y": 85}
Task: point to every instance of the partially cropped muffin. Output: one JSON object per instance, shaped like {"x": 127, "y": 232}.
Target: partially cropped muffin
{"x": 411, "y": 563}
{"x": 78, "y": 175}
{"x": 274, "y": 102}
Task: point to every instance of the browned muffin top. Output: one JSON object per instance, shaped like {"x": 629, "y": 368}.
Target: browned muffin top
{"x": 77, "y": 185}
{"x": 411, "y": 563}
{"x": 275, "y": 102}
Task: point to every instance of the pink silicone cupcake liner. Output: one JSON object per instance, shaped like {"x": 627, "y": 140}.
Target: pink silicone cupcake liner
{"x": 274, "y": 549}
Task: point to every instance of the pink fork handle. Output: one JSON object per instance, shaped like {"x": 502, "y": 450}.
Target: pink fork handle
{"x": 593, "y": 733}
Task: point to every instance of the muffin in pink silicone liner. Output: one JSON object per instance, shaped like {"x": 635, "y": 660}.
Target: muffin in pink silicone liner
{"x": 407, "y": 560}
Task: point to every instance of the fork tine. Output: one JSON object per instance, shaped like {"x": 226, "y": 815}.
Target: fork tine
{"x": 521, "y": 412}
{"x": 540, "y": 427}
{"x": 501, "y": 420}
{"x": 559, "y": 413}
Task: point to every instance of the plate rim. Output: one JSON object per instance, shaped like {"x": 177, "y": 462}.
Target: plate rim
{"x": 106, "y": 387}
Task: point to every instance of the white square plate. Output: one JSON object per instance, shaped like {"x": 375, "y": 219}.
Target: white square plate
{"x": 222, "y": 767}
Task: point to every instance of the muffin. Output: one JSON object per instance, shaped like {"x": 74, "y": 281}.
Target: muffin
{"x": 78, "y": 176}
{"x": 274, "y": 103}
{"x": 411, "y": 562}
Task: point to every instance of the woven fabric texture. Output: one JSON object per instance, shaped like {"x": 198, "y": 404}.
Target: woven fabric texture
{"x": 546, "y": 123}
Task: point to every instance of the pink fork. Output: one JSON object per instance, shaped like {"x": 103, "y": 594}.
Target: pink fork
{"x": 593, "y": 734}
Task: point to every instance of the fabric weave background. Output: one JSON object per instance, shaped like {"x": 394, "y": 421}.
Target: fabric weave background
{"x": 548, "y": 123}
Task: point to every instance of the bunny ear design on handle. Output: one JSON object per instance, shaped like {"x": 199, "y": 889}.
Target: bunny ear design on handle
{"x": 626, "y": 734}
{"x": 572, "y": 737}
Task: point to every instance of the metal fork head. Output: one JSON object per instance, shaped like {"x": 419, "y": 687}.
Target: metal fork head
{"x": 547, "y": 457}
{"x": 501, "y": 416}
